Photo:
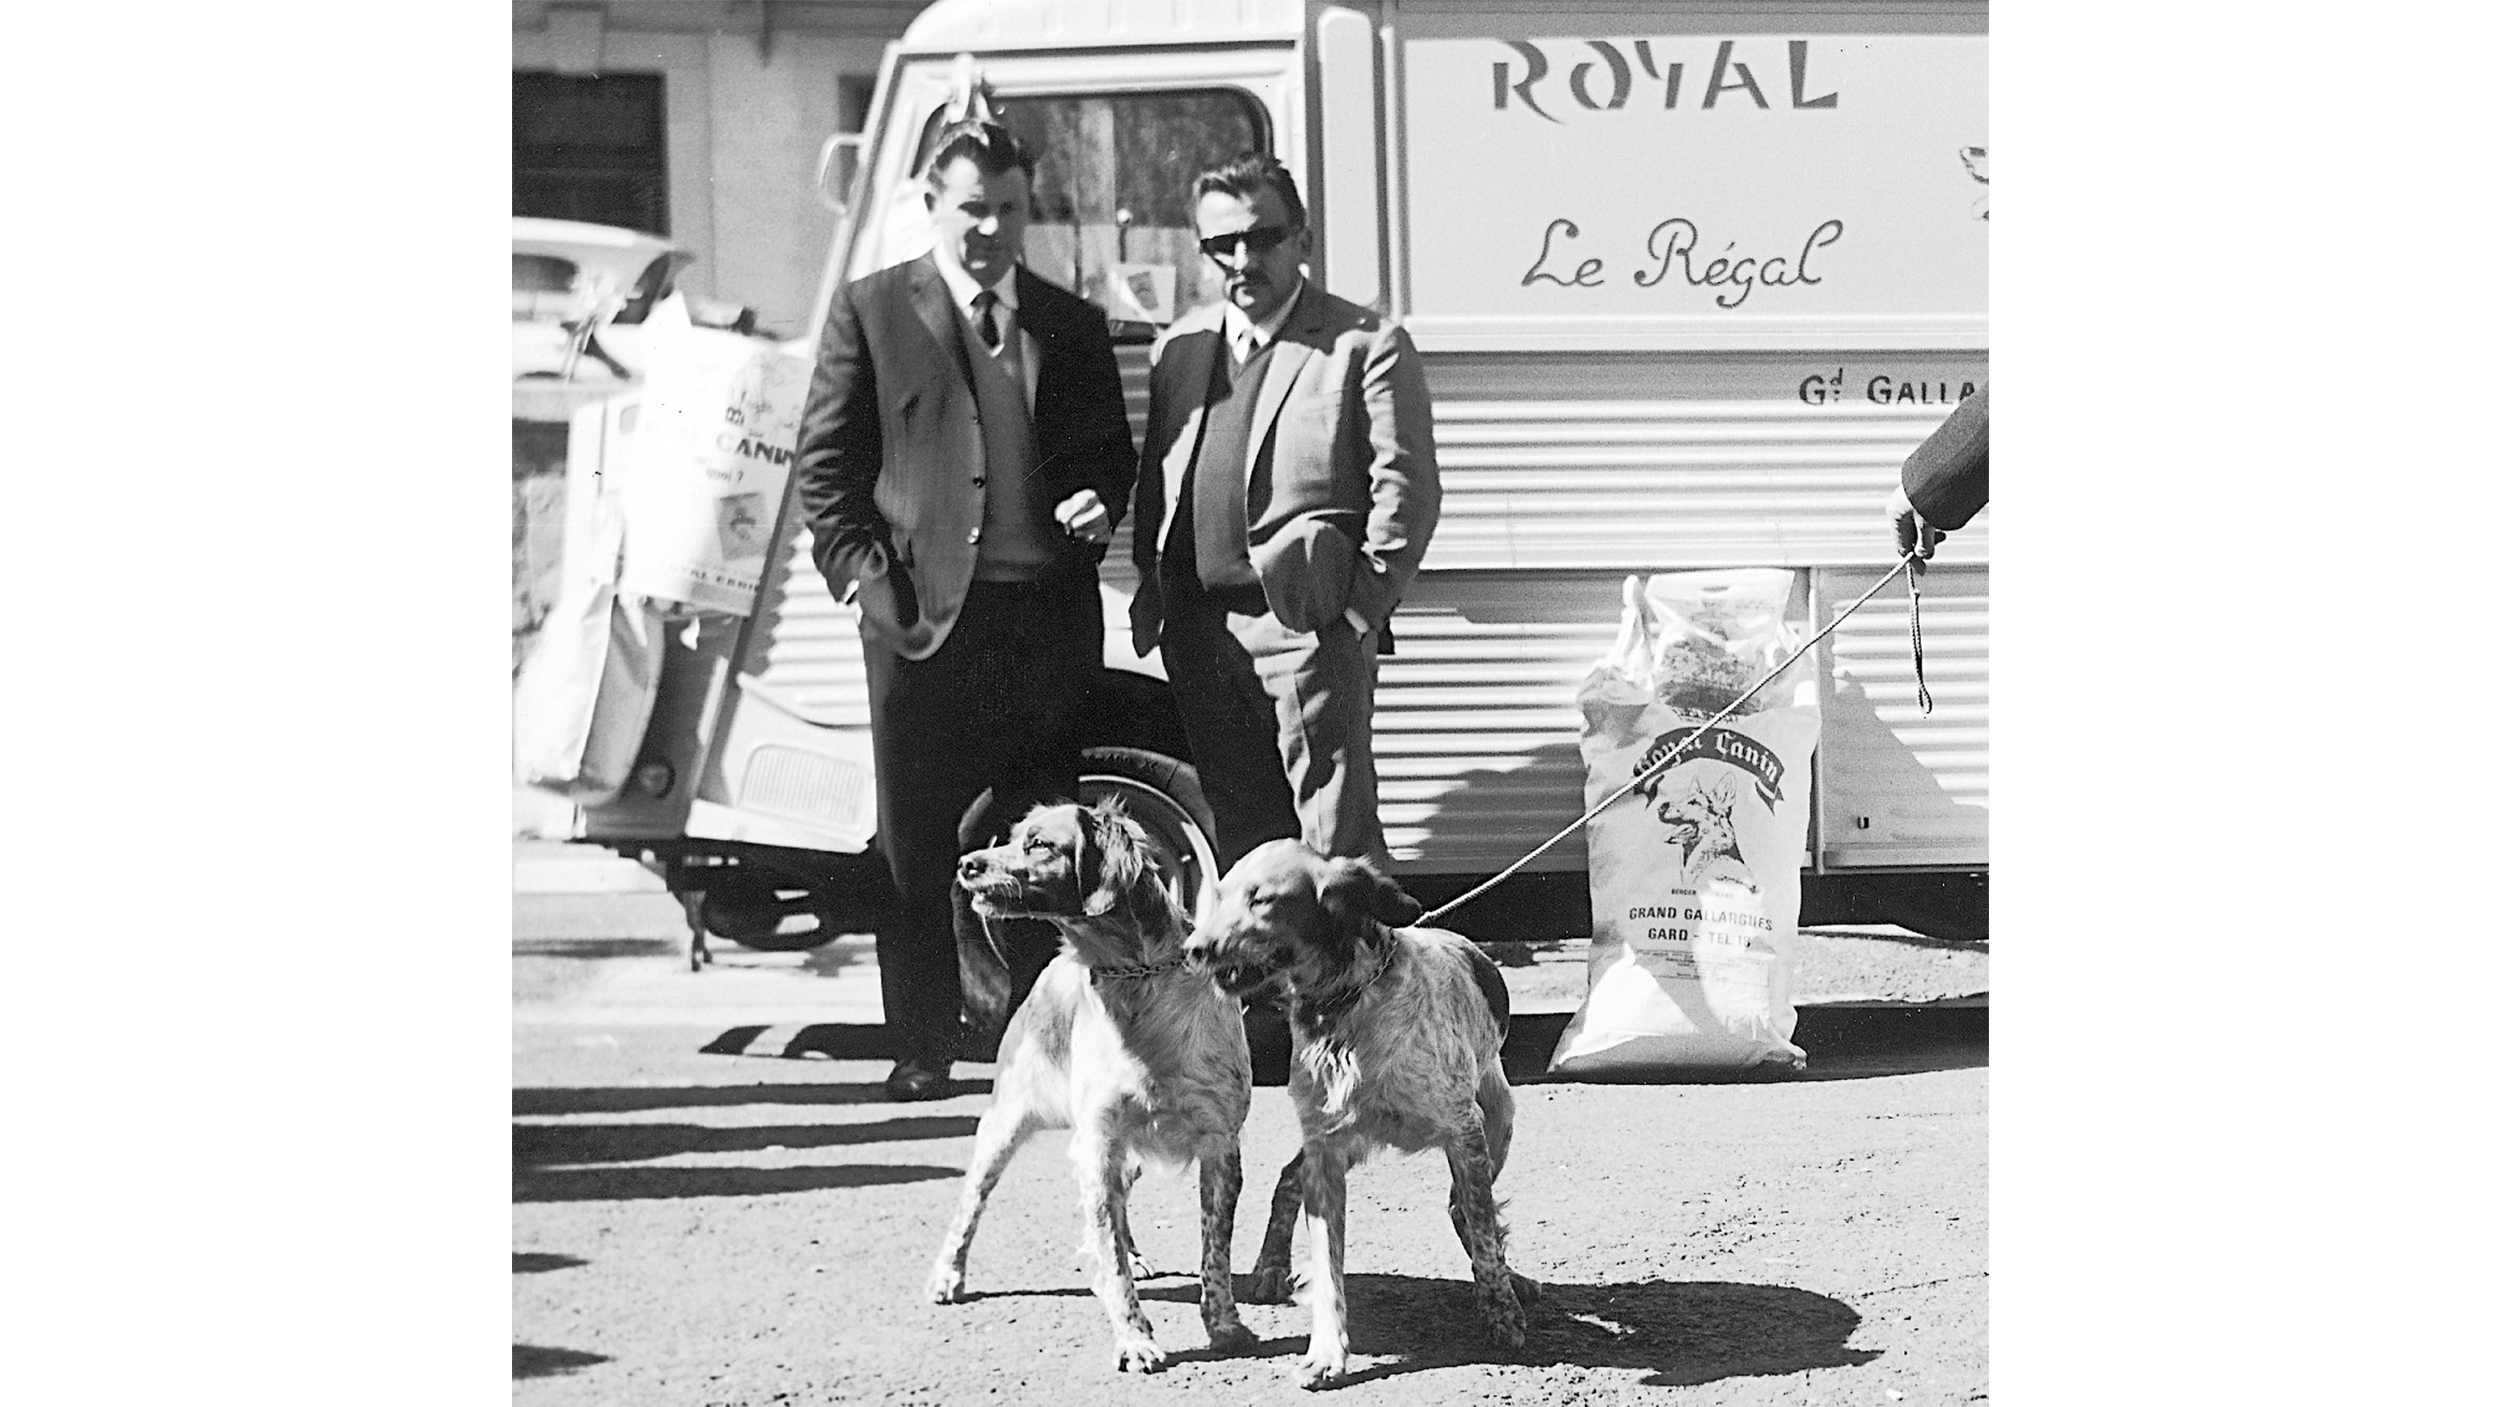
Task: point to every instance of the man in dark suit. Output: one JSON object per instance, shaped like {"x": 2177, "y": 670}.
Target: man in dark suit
{"x": 961, "y": 460}
{"x": 1286, "y": 496}
{"x": 1944, "y": 482}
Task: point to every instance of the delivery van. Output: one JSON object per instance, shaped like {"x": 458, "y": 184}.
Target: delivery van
{"x": 1689, "y": 283}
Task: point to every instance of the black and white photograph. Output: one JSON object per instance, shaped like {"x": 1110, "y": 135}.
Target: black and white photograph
{"x": 1362, "y": 630}
{"x": 1212, "y": 700}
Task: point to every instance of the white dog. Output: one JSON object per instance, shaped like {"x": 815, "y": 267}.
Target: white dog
{"x": 1397, "y": 1043}
{"x": 1142, "y": 1056}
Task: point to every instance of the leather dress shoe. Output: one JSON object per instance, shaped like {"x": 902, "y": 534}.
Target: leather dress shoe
{"x": 916, "y": 1081}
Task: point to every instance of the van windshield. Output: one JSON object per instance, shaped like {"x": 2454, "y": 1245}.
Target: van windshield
{"x": 1111, "y": 192}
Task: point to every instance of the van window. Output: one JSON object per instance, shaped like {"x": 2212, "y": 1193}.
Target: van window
{"x": 1099, "y": 156}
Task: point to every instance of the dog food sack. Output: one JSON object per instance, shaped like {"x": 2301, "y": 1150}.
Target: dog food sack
{"x": 707, "y": 462}
{"x": 1693, "y": 873}
{"x": 585, "y": 695}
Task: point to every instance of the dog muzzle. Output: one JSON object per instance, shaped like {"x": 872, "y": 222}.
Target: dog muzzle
{"x": 1010, "y": 900}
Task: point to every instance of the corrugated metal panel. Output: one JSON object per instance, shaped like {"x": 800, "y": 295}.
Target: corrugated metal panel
{"x": 1477, "y": 735}
{"x": 1560, "y": 474}
{"x": 1475, "y": 732}
{"x": 807, "y": 647}
{"x": 1564, "y": 462}
{"x": 1119, "y": 569}
{"x": 1898, "y": 787}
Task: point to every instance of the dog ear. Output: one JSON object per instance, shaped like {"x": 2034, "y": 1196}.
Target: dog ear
{"x": 1123, "y": 864}
{"x": 1356, "y": 887}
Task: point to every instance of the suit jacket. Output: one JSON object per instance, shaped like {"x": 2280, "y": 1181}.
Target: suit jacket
{"x": 889, "y": 463}
{"x": 1344, "y": 518}
{"x": 1946, "y": 477}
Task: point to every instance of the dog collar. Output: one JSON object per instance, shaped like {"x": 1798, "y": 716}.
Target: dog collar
{"x": 1153, "y": 969}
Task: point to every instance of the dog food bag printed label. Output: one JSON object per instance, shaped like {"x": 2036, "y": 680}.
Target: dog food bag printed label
{"x": 1693, "y": 873}
{"x": 707, "y": 465}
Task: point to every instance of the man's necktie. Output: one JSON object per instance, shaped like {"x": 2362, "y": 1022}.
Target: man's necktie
{"x": 986, "y": 301}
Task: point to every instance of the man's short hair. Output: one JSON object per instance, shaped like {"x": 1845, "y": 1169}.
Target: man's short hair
{"x": 1243, "y": 175}
{"x": 989, "y": 146}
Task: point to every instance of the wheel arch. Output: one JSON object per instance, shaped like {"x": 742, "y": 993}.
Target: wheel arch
{"x": 1134, "y": 710}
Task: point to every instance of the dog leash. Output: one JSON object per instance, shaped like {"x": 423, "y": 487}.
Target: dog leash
{"x": 1918, "y": 649}
{"x": 1918, "y": 663}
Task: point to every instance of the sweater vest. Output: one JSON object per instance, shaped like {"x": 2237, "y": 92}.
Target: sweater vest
{"x": 1220, "y": 508}
{"x": 1015, "y": 544}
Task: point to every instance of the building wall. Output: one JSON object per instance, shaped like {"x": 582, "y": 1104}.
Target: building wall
{"x": 752, "y": 91}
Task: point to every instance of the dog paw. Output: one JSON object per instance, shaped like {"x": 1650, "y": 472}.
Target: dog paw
{"x": 1318, "y": 1371}
{"x": 1234, "y": 1335}
{"x": 1269, "y": 1284}
{"x": 946, "y": 1286}
{"x": 1140, "y": 1355}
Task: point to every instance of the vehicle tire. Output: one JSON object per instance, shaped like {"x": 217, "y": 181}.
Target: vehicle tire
{"x": 1162, "y": 793}
{"x": 796, "y": 939}
{"x": 767, "y": 909}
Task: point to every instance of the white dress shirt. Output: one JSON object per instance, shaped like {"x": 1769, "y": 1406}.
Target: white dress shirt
{"x": 1247, "y": 337}
{"x": 1017, "y": 351}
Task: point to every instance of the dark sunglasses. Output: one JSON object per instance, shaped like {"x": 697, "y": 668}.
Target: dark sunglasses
{"x": 1259, "y": 241}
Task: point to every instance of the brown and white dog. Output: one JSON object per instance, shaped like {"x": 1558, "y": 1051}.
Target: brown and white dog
{"x": 1397, "y": 1043}
{"x": 1120, "y": 1041}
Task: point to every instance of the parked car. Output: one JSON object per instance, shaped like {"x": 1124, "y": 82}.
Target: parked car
{"x": 580, "y": 293}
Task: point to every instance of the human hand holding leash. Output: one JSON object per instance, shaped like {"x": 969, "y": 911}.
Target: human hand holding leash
{"x": 1911, "y": 533}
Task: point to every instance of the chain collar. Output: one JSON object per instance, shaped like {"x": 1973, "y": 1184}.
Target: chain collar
{"x": 1152, "y": 969}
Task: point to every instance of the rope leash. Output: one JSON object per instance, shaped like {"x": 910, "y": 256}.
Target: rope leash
{"x": 1918, "y": 663}
{"x": 1918, "y": 651}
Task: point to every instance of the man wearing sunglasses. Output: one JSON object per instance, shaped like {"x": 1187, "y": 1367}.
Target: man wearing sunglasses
{"x": 1284, "y": 501}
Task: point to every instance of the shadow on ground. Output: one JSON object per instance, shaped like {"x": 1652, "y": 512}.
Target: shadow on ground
{"x": 635, "y": 1184}
{"x": 531, "y": 1361}
{"x": 1842, "y": 1041}
{"x": 824, "y": 1041}
{"x": 545, "y": 1145}
{"x": 536, "y": 1262}
{"x": 593, "y": 949}
{"x": 1678, "y": 1333}
{"x": 548, "y": 1101}
{"x": 1900, "y": 938}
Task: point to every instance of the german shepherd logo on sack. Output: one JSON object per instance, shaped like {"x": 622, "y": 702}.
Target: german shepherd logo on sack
{"x": 1700, "y": 820}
